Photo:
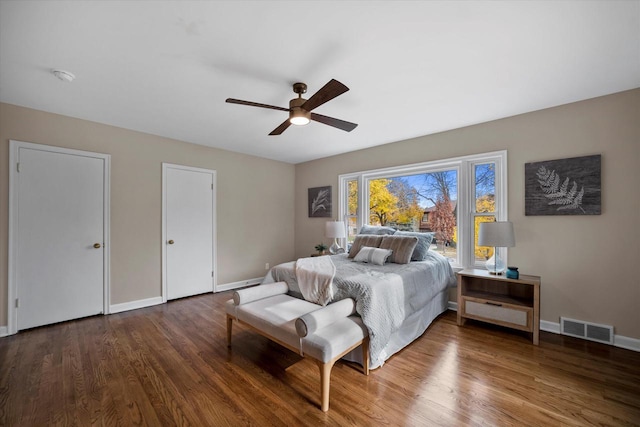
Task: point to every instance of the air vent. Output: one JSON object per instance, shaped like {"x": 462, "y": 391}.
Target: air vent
{"x": 586, "y": 330}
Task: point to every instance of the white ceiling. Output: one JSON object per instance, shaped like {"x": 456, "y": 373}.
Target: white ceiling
{"x": 414, "y": 68}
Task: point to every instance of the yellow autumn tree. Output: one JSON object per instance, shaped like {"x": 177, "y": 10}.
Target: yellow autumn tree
{"x": 382, "y": 204}
{"x": 353, "y": 197}
{"x": 484, "y": 204}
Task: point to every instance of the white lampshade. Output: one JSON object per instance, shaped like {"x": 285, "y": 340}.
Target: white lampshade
{"x": 335, "y": 230}
{"x": 497, "y": 234}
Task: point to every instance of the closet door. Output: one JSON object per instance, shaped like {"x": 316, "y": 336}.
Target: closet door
{"x": 188, "y": 219}
{"x": 57, "y": 234}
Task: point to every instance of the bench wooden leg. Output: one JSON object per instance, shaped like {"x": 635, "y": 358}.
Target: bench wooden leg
{"x": 229, "y": 324}
{"x": 325, "y": 383}
{"x": 365, "y": 355}
{"x": 325, "y": 374}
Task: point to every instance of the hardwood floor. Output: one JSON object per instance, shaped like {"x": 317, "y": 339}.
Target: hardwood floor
{"x": 169, "y": 365}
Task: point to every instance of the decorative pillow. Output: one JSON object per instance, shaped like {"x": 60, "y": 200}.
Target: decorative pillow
{"x": 402, "y": 247}
{"x": 377, "y": 230}
{"x": 375, "y": 256}
{"x": 424, "y": 242}
{"x": 309, "y": 323}
{"x": 370, "y": 240}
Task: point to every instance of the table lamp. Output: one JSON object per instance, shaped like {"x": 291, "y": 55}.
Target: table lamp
{"x": 498, "y": 234}
{"x": 335, "y": 230}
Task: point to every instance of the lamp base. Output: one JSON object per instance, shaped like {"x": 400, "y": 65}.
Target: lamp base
{"x": 335, "y": 248}
{"x": 495, "y": 265}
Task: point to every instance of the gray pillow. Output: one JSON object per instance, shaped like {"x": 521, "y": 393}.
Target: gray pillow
{"x": 377, "y": 230}
{"x": 375, "y": 256}
{"x": 402, "y": 247}
{"x": 424, "y": 242}
{"x": 370, "y": 240}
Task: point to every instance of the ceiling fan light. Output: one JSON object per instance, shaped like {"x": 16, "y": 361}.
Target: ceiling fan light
{"x": 299, "y": 120}
{"x": 298, "y": 116}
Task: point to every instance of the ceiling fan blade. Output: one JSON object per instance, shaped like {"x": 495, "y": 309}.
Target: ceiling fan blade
{"x": 326, "y": 93}
{"x": 281, "y": 128}
{"x": 336, "y": 123}
{"x": 254, "y": 104}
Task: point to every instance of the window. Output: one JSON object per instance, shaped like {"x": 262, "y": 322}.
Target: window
{"x": 484, "y": 205}
{"x": 447, "y": 197}
{"x": 351, "y": 216}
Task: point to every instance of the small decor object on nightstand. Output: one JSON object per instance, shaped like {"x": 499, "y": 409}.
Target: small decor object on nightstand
{"x": 512, "y": 273}
{"x": 321, "y": 248}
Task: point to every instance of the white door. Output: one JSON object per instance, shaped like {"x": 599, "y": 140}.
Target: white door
{"x": 58, "y": 234}
{"x": 188, "y": 218}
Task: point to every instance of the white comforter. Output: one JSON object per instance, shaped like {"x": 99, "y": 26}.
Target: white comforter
{"x": 385, "y": 295}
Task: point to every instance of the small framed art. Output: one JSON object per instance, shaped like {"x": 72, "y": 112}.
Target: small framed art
{"x": 320, "y": 202}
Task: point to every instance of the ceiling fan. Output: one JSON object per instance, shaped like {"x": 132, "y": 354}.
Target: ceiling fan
{"x": 300, "y": 108}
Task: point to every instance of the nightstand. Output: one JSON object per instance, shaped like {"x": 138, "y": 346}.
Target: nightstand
{"x": 514, "y": 303}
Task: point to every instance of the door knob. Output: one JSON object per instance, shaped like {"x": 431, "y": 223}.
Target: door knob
{"x": 170, "y": 242}
{"x": 96, "y": 245}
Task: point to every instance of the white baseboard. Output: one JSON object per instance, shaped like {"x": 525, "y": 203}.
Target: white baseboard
{"x": 133, "y": 305}
{"x": 550, "y": 327}
{"x": 618, "y": 340}
{"x": 149, "y": 302}
{"x": 626, "y": 342}
{"x": 240, "y": 284}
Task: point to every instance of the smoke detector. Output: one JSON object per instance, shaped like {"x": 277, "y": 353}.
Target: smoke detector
{"x": 63, "y": 75}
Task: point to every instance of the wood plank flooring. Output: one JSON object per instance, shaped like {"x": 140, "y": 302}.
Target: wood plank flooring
{"x": 169, "y": 365}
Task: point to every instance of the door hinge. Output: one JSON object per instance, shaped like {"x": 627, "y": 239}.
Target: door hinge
{"x": 18, "y": 167}
{"x": 212, "y": 186}
{"x": 212, "y": 274}
{"x": 17, "y": 302}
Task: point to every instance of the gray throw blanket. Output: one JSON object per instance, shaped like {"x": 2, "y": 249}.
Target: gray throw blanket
{"x": 385, "y": 295}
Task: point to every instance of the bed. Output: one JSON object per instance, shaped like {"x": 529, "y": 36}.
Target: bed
{"x": 397, "y": 301}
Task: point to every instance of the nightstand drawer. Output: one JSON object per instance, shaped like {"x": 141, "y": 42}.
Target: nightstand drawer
{"x": 495, "y": 312}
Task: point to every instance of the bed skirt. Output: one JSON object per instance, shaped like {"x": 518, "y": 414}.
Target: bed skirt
{"x": 412, "y": 328}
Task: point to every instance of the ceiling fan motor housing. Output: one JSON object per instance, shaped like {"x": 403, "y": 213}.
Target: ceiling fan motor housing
{"x": 298, "y": 115}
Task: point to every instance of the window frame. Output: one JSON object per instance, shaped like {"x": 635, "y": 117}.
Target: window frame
{"x": 464, "y": 165}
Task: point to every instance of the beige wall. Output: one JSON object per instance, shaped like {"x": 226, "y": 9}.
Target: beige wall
{"x": 587, "y": 263}
{"x": 251, "y": 192}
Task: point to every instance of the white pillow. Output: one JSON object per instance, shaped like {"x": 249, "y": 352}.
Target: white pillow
{"x": 371, "y": 255}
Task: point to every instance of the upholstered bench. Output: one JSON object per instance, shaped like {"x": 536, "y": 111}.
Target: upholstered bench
{"x": 324, "y": 334}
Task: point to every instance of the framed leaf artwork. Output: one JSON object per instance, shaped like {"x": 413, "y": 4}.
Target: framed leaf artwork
{"x": 320, "y": 202}
{"x": 563, "y": 187}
